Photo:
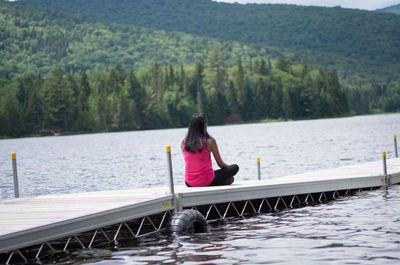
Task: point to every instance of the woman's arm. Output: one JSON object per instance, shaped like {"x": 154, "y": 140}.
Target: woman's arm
{"x": 213, "y": 147}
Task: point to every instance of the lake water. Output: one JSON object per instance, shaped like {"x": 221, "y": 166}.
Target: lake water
{"x": 363, "y": 229}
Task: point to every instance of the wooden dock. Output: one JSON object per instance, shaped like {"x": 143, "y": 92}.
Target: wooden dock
{"x": 33, "y": 225}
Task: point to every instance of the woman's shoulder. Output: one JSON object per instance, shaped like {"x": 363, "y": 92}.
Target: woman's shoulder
{"x": 210, "y": 140}
{"x": 210, "y": 143}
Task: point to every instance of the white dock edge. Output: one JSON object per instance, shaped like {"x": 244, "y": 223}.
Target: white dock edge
{"x": 265, "y": 190}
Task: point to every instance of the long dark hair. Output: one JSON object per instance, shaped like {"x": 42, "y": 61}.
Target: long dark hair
{"x": 197, "y": 134}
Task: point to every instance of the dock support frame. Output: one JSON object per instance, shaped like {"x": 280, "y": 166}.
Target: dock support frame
{"x": 126, "y": 230}
{"x": 234, "y": 209}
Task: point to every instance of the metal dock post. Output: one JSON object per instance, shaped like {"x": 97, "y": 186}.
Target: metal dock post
{"x": 176, "y": 198}
{"x": 395, "y": 145}
{"x": 171, "y": 179}
{"x": 387, "y": 179}
{"x": 258, "y": 168}
{"x": 15, "y": 174}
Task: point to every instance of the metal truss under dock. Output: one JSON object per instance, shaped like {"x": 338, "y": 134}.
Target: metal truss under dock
{"x": 33, "y": 226}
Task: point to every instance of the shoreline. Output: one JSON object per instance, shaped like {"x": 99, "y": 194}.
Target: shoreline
{"x": 71, "y": 133}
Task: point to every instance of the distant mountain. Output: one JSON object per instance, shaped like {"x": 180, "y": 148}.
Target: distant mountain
{"x": 349, "y": 32}
{"x": 34, "y": 40}
{"x": 347, "y": 39}
{"x": 391, "y": 9}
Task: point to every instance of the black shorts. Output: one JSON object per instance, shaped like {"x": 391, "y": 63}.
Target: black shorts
{"x": 222, "y": 175}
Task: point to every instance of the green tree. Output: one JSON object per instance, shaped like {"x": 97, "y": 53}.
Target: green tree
{"x": 34, "y": 111}
{"x": 247, "y": 107}
{"x": 72, "y": 85}
{"x": 216, "y": 70}
{"x": 358, "y": 99}
{"x": 276, "y": 101}
{"x": 283, "y": 64}
{"x": 263, "y": 98}
{"x": 333, "y": 99}
{"x": 260, "y": 67}
{"x": 84, "y": 85}
{"x": 84, "y": 120}
{"x": 22, "y": 90}
{"x": 117, "y": 78}
{"x": 216, "y": 107}
{"x": 12, "y": 122}
{"x": 240, "y": 83}
{"x": 232, "y": 101}
{"x": 180, "y": 108}
{"x": 124, "y": 117}
{"x": 182, "y": 81}
{"x": 311, "y": 97}
{"x": 198, "y": 86}
{"x": 137, "y": 94}
{"x": 340, "y": 101}
{"x": 58, "y": 102}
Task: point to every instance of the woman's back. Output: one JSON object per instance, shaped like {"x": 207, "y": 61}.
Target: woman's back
{"x": 198, "y": 167}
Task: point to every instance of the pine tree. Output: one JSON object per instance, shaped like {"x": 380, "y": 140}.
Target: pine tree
{"x": 182, "y": 81}
{"x": 34, "y": 111}
{"x": 137, "y": 94}
{"x": 283, "y": 64}
{"x": 198, "y": 86}
{"x": 276, "y": 102}
{"x": 240, "y": 79}
{"x": 338, "y": 99}
{"x": 263, "y": 68}
{"x": 263, "y": 99}
{"x": 85, "y": 120}
{"x": 58, "y": 102}
{"x": 84, "y": 85}
{"x": 247, "y": 107}
{"x": 102, "y": 106}
{"x": 117, "y": 78}
{"x": 232, "y": 100}
{"x": 72, "y": 85}
{"x": 12, "y": 123}
{"x": 124, "y": 117}
{"x": 216, "y": 70}
{"x": 310, "y": 98}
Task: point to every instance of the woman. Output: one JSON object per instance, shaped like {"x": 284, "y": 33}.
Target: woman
{"x": 197, "y": 148}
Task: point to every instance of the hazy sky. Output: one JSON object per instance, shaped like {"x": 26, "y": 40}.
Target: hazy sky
{"x": 360, "y": 4}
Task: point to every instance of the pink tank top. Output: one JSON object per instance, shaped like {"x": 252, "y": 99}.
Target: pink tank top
{"x": 198, "y": 168}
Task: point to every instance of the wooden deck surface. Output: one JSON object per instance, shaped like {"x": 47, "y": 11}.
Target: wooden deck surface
{"x": 27, "y": 213}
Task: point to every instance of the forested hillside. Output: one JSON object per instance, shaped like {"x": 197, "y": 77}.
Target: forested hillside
{"x": 391, "y": 9}
{"x": 361, "y": 45}
{"x": 160, "y": 97}
{"x": 35, "y": 41}
{"x": 166, "y": 96}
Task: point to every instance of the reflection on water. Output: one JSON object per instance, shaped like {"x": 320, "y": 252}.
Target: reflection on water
{"x": 362, "y": 229}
